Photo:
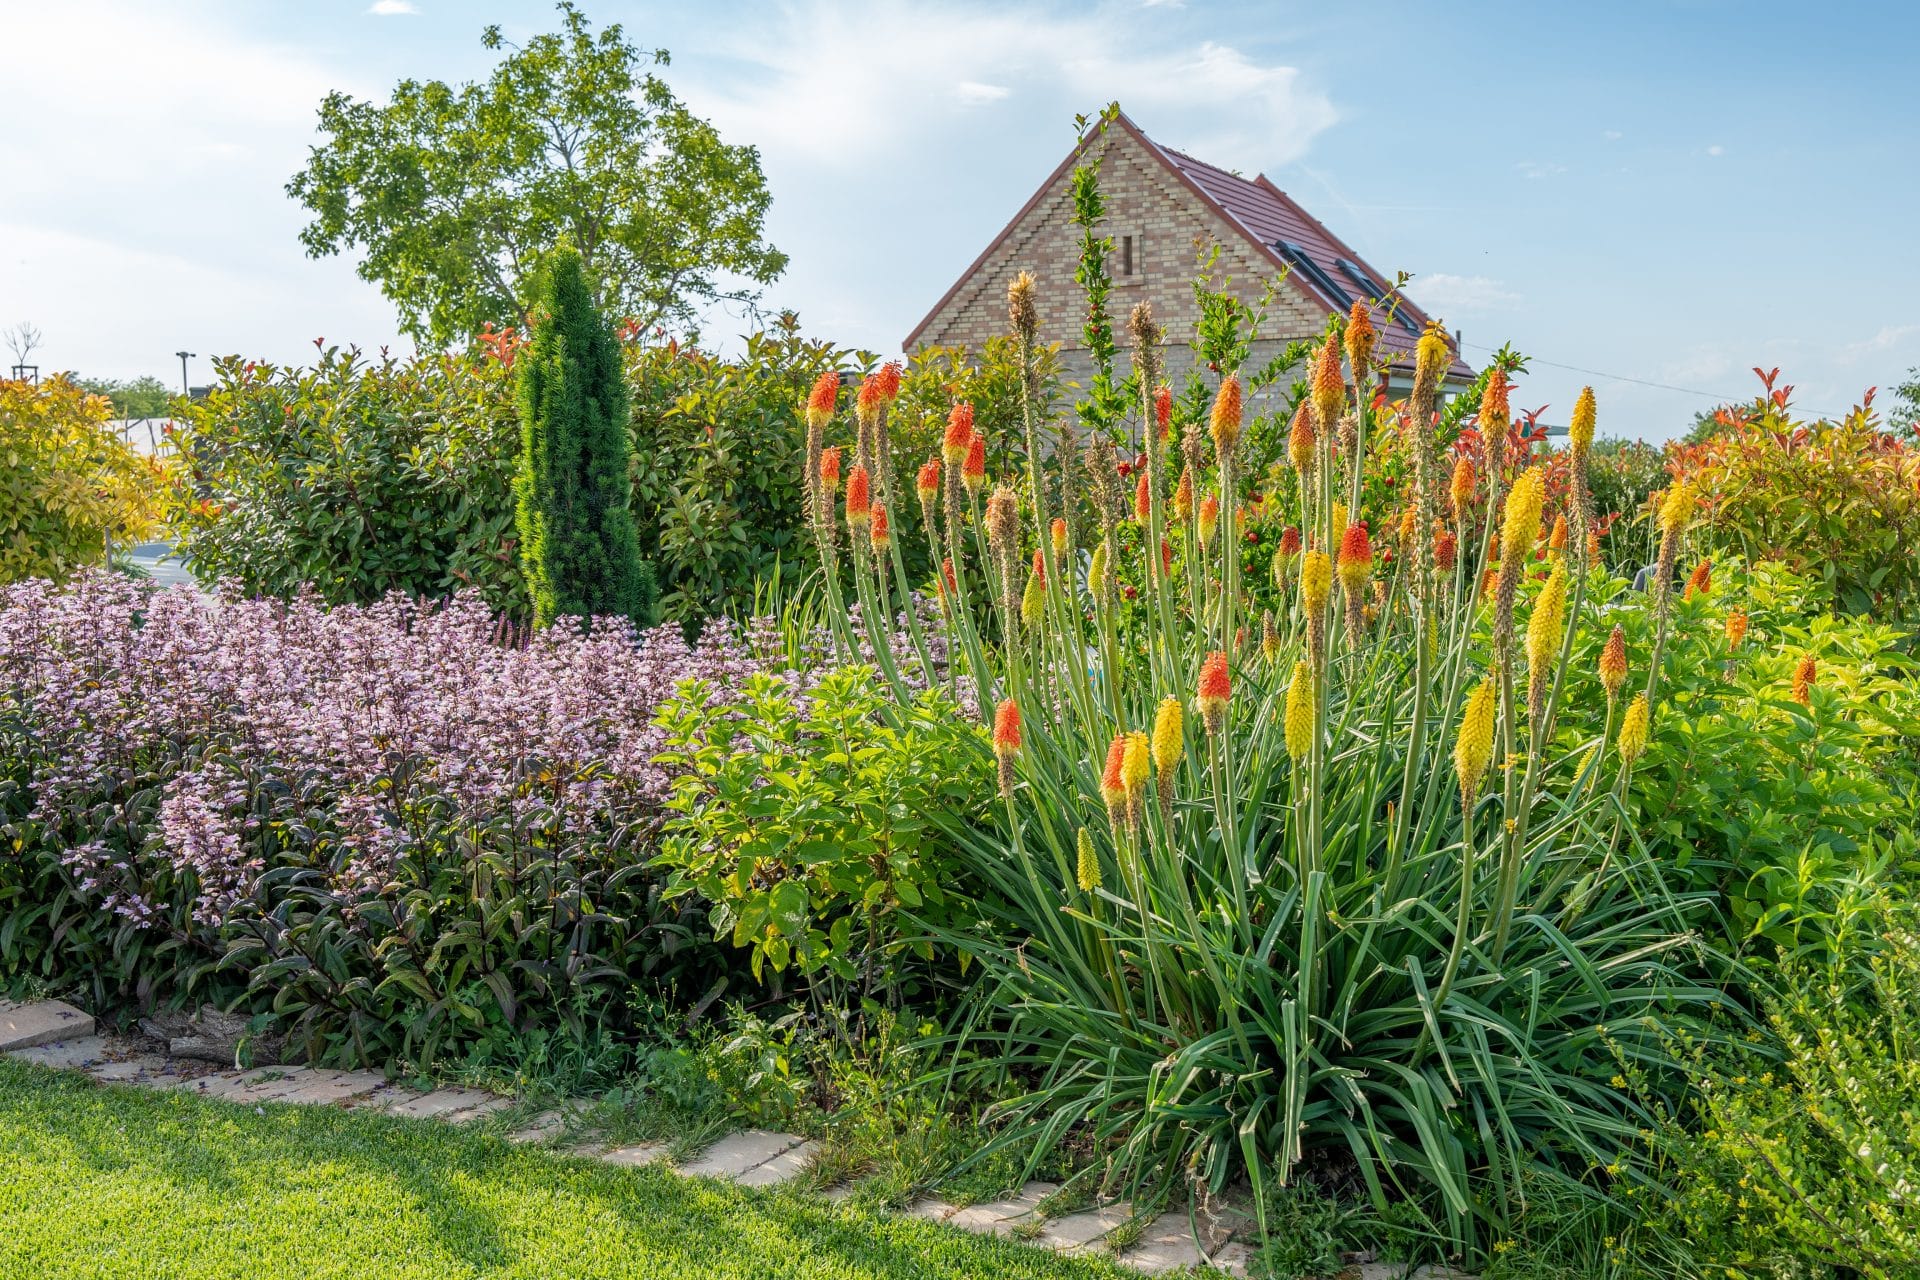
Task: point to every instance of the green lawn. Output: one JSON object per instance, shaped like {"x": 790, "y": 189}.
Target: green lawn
{"x": 118, "y": 1182}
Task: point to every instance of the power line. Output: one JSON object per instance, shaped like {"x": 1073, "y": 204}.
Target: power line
{"x": 1714, "y": 396}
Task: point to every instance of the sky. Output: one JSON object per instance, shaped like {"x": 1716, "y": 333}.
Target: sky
{"x": 1634, "y": 193}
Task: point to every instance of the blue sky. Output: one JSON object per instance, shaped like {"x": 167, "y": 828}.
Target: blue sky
{"x": 1667, "y": 192}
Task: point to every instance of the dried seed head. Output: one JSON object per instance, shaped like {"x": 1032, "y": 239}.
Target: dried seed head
{"x": 1269, "y": 637}
{"x": 1020, "y": 309}
{"x": 1803, "y": 677}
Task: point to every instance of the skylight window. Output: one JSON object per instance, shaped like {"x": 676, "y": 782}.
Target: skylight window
{"x": 1297, "y": 258}
{"x": 1371, "y": 288}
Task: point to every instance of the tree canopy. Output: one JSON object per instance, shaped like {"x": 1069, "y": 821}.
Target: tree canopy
{"x": 142, "y": 397}
{"x": 453, "y": 193}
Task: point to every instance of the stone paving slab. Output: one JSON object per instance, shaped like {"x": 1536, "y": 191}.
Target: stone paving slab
{"x": 439, "y": 1103}
{"x": 23, "y": 1026}
{"x": 1081, "y": 1230}
{"x": 486, "y": 1107}
{"x": 261, "y": 1084}
{"x": 149, "y": 1069}
{"x": 546, "y": 1125}
{"x": 790, "y": 1163}
{"x": 739, "y": 1153}
{"x": 644, "y": 1153}
{"x": 324, "y": 1087}
{"x": 931, "y": 1208}
{"x": 999, "y": 1217}
{"x": 79, "y": 1052}
{"x": 1166, "y": 1244}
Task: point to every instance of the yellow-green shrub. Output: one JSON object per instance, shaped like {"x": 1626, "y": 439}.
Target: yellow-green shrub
{"x": 68, "y": 484}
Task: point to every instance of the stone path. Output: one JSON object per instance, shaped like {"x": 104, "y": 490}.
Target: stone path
{"x": 53, "y": 1034}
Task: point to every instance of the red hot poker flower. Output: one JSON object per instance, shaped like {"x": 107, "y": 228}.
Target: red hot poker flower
{"x": 859, "y": 508}
{"x": 1216, "y": 687}
{"x": 1163, "y": 409}
{"x": 1006, "y": 728}
{"x": 820, "y": 401}
{"x": 1142, "y": 499}
{"x": 889, "y": 381}
{"x": 974, "y": 470}
{"x": 928, "y": 483}
{"x": 1803, "y": 678}
{"x": 830, "y": 469}
{"x": 959, "y": 434}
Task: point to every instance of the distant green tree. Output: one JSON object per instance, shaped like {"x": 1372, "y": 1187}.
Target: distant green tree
{"x": 452, "y": 192}
{"x": 1904, "y": 414}
{"x": 142, "y": 397}
{"x": 577, "y": 545}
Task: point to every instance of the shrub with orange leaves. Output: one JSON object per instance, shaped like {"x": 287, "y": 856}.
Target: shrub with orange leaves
{"x": 1837, "y": 500}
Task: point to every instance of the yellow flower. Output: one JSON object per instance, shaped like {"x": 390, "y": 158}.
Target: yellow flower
{"x": 1339, "y": 524}
{"x": 1137, "y": 765}
{"x": 1580, "y": 429}
{"x": 1521, "y": 527}
{"x": 1300, "y": 712}
{"x": 1432, "y": 356}
{"x": 1097, "y": 571}
{"x": 1033, "y": 601}
{"x": 1169, "y": 742}
{"x": 1473, "y": 750}
{"x": 1676, "y": 507}
{"x": 1633, "y": 731}
{"x": 1549, "y": 618}
{"x": 1087, "y": 873}
{"x": 1316, "y": 580}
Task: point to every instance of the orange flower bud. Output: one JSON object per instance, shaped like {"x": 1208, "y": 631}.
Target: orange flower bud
{"x": 1445, "y": 550}
{"x": 1216, "y": 687}
{"x": 889, "y": 381}
{"x": 1225, "y": 418}
{"x": 974, "y": 470}
{"x": 1461, "y": 491}
{"x": 1803, "y": 678}
{"x": 1059, "y": 531}
{"x": 1736, "y": 629}
{"x": 1142, "y": 499}
{"x": 830, "y": 469}
{"x": 1040, "y": 566}
{"x": 1700, "y": 581}
{"x": 1360, "y": 339}
{"x": 820, "y": 401}
{"x": 881, "y": 535}
{"x": 1613, "y": 662}
{"x": 1329, "y": 388}
{"x": 1300, "y": 439}
{"x": 1006, "y": 728}
{"x": 1356, "y": 558}
{"x": 1163, "y": 409}
{"x": 959, "y": 434}
{"x": 1209, "y": 517}
{"x": 1557, "y": 540}
{"x": 928, "y": 483}
{"x": 1113, "y": 780}
{"x": 859, "y": 505}
{"x": 1183, "y": 497}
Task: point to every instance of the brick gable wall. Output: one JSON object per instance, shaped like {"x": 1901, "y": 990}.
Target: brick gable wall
{"x": 1170, "y": 226}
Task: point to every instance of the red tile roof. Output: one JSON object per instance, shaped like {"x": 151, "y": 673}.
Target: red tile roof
{"x": 1278, "y": 228}
{"x": 1271, "y": 219}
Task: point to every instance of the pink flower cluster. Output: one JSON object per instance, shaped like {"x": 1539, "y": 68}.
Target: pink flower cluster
{"x": 346, "y": 734}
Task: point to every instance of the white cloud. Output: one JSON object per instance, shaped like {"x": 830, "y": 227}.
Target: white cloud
{"x": 1892, "y": 337}
{"x": 841, "y": 83}
{"x": 391, "y": 8}
{"x": 1611, "y": 135}
{"x": 1716, "y": 150}
{"x": 1449, "y": 295}
{"x": 1540, "y": 169}
{"x": 974, "y": 94}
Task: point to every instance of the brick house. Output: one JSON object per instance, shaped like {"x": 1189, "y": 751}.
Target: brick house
{"x": 1163, "y": 209}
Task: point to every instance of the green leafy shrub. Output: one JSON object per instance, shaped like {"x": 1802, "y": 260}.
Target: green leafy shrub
{"x": 717, "y": 476}
{"x": 571, "y": 487}
{"x": 354, "y": 477}
{"x": 1798, "y": 816}
{"x": 69, "y": 486}
{"x": 809, "y": 824}
{"x": 1805, "y": 1153}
